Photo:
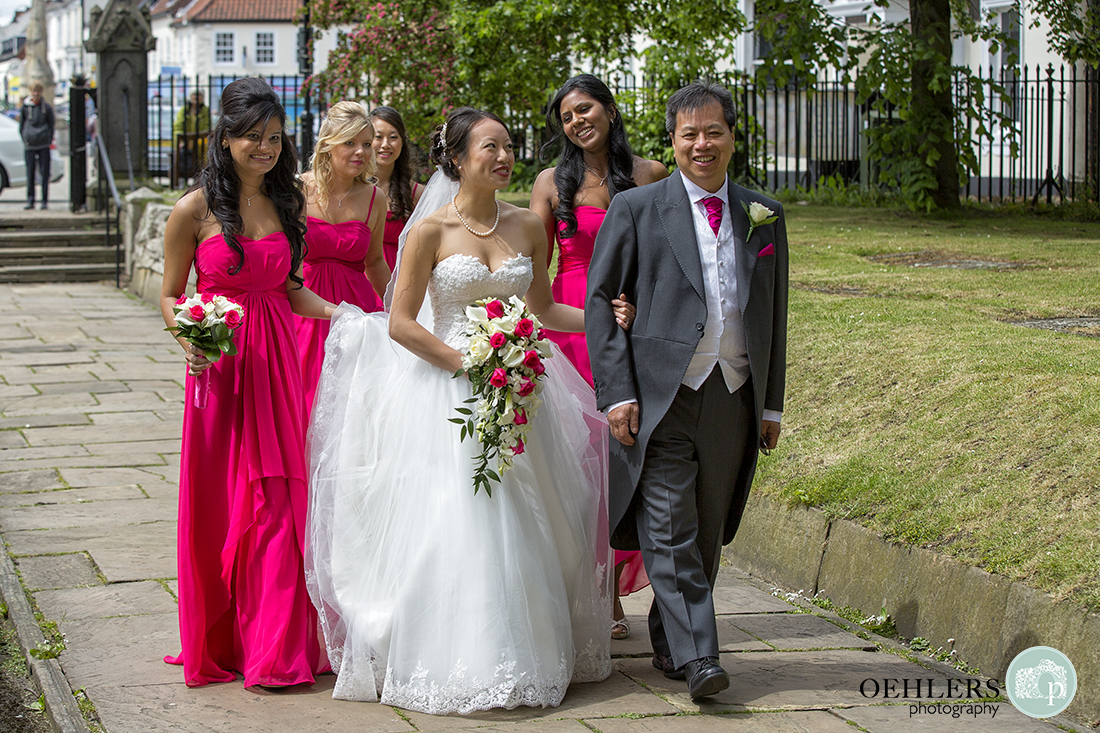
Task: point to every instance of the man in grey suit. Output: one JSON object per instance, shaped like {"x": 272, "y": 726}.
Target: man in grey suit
{"x": 695, "y": 389}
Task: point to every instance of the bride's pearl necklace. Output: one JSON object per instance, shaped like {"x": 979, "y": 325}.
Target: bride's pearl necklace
{"x": 469, "y": 228}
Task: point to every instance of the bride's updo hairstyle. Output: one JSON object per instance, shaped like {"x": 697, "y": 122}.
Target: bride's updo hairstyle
{"x": 246, "y": 103}
{"x": 345, "y": 120}
{"x": 451, "y": 139}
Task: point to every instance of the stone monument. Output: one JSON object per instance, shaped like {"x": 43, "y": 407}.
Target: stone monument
{"x": 122, "y": 37}
{"x": 36, "y": 67}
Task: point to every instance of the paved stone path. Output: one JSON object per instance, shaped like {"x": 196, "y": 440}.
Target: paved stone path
{"x": 90, "y": 411}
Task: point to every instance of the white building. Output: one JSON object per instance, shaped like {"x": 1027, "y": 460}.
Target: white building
{"x": 230, "y": 37}
{"x": 65, "y": 34}
{"x": 13, "y": 38}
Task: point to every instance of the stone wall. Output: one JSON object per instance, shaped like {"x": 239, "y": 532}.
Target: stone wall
{"x": 990, "y": 618}
{"x": 144, "y": 215}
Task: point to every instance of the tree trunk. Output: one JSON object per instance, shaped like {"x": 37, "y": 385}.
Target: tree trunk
{"x": 931, "y": 23}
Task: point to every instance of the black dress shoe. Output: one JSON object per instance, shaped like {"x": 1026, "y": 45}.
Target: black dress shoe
{"x": 44, "y": 206}
{"x": 705, "y": 677}
{"x": 30, "y": 205}
{"x": 664, "y": 663}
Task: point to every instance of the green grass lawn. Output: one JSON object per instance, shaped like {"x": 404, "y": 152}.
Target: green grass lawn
{"x": 916, "y": 407}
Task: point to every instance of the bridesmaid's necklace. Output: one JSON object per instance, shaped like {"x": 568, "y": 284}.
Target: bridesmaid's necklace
{"x": 597, "y": 175}
{"x": 470, "y": 228}
{"x": 249, "y": 198}
{"x": 340, "y": 199}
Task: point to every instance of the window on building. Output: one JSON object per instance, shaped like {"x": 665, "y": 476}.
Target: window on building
{"x": 265, "y": 48}
{"x": 1010, "y": 26}
{"x": 224, "y": 48}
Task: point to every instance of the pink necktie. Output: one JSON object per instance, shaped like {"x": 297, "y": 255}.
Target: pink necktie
{"x": 714, "y": 212}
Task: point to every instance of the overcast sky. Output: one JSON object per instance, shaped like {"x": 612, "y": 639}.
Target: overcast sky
{"x": 8, "y": 8}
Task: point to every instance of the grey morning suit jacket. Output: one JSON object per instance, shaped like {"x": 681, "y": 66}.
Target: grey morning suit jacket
{"x": 647, "y": 249}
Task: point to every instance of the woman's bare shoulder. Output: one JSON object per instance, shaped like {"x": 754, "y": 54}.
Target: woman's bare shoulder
{"x": 648, "y": 171}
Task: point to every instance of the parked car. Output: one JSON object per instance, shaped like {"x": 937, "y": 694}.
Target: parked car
{"x": 13, "y": 169}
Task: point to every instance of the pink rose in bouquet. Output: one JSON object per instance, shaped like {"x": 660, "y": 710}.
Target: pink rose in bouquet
{"x": 499, "y": 378}
{"x": 494, "y": 309}
{"x": 524, "y": 328}
{"x": 497, "y": 340}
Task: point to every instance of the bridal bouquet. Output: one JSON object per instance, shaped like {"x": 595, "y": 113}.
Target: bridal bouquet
{"x": 503, "y": 361}
{"x": 208, "y": 322}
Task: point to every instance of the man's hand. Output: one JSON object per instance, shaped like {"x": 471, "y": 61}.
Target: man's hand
{"x": 624, "y": 422}
{"x": 769, "y": 436}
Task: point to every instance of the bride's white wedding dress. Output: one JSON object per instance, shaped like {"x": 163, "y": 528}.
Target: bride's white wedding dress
{"x": 432, "y": 598}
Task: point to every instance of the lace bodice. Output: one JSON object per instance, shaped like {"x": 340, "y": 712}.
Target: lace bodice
{"x": 461, "y": 279}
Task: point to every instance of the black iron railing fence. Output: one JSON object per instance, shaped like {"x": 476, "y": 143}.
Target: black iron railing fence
{"x": 173, "y": 156}
{"x": 793, "y": 136}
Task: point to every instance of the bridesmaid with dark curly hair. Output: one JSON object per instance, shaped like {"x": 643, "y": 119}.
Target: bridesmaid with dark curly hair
{"x": 243, "y": 604}
{"x": 572, "y": 198}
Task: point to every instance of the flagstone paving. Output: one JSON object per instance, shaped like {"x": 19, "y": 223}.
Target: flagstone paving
{"x": 91, "y": 402}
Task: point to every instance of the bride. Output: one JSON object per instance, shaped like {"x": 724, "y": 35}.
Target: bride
{"x": 433, "y": 598}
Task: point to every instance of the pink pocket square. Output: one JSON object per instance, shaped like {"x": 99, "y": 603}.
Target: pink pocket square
{"x": 769, "y": 250}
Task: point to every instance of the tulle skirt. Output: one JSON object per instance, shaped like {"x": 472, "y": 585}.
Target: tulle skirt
{"x": 433, "y": 598}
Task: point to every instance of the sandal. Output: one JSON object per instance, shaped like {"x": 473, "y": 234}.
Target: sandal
{"x": 620, "y": 628}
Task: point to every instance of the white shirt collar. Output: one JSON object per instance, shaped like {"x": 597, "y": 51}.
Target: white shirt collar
{"x": 697, "y": 193}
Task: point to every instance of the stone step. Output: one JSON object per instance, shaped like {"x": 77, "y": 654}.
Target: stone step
{"x": 59, "y": 218}
{"x": 26, "y": 238}
{"x": 17, "y": 256}
{"x": 56, "y": 273}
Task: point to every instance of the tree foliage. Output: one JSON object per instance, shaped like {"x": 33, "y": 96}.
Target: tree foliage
{"x": 396, "y": 53}
{"x": 922, "y": 113}
{"x": 425, "y": 58}
{"x": 1075, "y": 28}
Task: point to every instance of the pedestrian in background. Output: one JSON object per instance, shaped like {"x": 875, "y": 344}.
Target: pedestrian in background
{"x": 190, "y": 130}
{"x": 36, "y": 127}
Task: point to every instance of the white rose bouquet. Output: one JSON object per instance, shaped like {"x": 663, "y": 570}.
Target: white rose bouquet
{"x": 208, "y": 322}
{"x": 503, "y": 360}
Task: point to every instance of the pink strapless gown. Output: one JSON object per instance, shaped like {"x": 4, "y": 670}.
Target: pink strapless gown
{"x": 333, "y": 269}
{"x": 570, "y": 286}
{"x": 243, "y": 603}
{"x": 393, "y": 229}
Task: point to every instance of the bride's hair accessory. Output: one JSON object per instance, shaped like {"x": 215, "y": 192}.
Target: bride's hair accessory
{"x": 443, "y": 136}
{"x": 469, "y": 228}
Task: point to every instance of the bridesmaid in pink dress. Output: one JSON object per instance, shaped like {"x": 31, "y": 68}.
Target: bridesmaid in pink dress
{"x": 345, "y": 215}
{"x": 243, "y": 604}
{"x": 572, "y": 198}
{"x": 394, "y": 175}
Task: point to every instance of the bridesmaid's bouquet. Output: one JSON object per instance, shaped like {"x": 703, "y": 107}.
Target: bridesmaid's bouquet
{"x": 503, "y": 361}
{"x": 208, "y": 322}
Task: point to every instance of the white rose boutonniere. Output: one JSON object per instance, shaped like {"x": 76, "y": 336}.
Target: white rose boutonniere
{"x": 758, "y": 216}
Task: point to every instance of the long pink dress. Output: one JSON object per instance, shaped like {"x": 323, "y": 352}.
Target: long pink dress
{"x": 243, "y": 604}
{"x": 333, "y": 269}
{"x": 570, "y": 286}
{"x": 394, "y": 226}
